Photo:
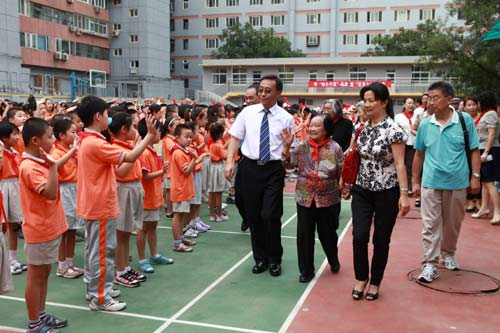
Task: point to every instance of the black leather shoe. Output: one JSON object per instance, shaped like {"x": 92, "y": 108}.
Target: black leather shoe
{"x": 259, "y": 267}
{"x": 244, "y": 226}
{"x": 306, "y": 278}
{"x": 275, "y": 269}
{"x": 336, "y": 267}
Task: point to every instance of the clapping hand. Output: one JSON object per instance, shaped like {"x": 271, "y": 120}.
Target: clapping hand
{"x": 47, "y": 158}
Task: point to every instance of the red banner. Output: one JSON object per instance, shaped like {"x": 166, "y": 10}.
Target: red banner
{"x": 344, "y": 83}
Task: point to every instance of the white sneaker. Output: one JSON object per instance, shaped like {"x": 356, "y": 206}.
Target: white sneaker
{"x": 113, "y": 293}
{"x": 429, "y": 273}
{"x": 190, "y": 233}
{"x": 204, "y": 224}
{"x": 224, "y": 205}
{"x": 15, "y": 268}
{"x": 450, "y": 263}
{"x": 111, "y": 306}
{"x": 221, "y": 218}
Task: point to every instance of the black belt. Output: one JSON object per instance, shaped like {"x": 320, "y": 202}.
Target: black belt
{"x": 259, "y": 162}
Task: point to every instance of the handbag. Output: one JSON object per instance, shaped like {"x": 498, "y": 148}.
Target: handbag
{"x": 351, "y": 162}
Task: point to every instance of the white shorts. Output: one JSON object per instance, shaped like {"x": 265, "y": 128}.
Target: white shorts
{"x": 151, "y": 215}
{"x": 11, "y": 200}
{"x": 44, "y": 253}
{"x": 198, "y": 188}
{"x": 181, "y": 207}
{"x": 131, "y": 201}
{"x": 166, "y": 183}
{"x": 68, "y": 198}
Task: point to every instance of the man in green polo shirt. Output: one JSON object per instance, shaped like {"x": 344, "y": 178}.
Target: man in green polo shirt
{"x": 440, "y": 149}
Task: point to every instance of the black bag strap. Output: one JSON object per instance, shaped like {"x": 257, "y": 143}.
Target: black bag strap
{"x": 466, "y": 139}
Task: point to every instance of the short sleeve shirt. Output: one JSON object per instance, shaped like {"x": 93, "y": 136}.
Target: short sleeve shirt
{"x": 67, "y": 173}
{"x": 153, "y": 196}
{"x": 135, "y": 173}
{"x": 377, "y": 171}
{"x": 181, "y": 186}
{"x": 10, "y": 164}
{"x": 168, "y": 145}
{"x": 44, "y": 219}
{"x": 488, "y": 120}
{"x": 96, "y": 192}
{"x": 217, "y": 152}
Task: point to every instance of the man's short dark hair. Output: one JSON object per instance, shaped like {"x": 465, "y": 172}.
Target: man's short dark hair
{"x": 276, "y": 79}
{"x": 255, "y": 86}
{"x": 7, "y": 128}
{"x": 178, "y": 130}
{"x": 34, "y": 127}
{"x": 88, "y": 107}
{"x": 445, "y": 87}
{"x": 154, "y": 108}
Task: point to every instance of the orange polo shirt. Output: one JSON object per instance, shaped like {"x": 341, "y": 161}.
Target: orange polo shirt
{"x": 96, "y": 195}
{"x": 181, "y": 186}
{"x": 153, "y": 195}
{"x": 44, "y": 219}
{"x": 67, "y": 173}
{"x": 217, "y": 152}
{"x": 135, "y": 173}
{"x": 167, "y": 145}
{"x": 10, "y": 164}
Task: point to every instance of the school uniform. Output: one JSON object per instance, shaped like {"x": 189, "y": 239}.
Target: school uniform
{"x": 153, "y": 197}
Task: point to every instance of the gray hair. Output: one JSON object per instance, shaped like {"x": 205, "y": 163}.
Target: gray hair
{"x": 360, "y": 104}
{"x": 337, "y": 106}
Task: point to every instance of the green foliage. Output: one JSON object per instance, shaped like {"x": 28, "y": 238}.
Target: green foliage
{"x": 246, "y": 42}
{"x": 475, "y": 67}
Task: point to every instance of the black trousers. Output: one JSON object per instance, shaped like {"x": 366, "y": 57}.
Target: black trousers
{"x": 409, "y": 154}
{"x": 327, "y": 221}
{"x": 262, "y": 193}
{"x": 381, "y": 208}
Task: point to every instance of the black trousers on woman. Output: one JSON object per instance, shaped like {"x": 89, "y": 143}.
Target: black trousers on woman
{"x": 327, "y": 220}
{"x": 382, "y": 208}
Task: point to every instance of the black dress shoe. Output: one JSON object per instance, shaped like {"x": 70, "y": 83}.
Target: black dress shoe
{"x": 259, "y": 267}
{"x": 244, "y": 226}
{"x": 336, "y": 267}
{"x": 275, "y": 269}
{"x": 306, "y": 278}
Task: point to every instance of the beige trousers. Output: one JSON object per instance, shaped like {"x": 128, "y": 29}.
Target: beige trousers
{"x": 442, "y": 215}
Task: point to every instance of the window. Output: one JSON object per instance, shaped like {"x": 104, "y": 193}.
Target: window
{"x": 402, "y": 15}
{"x": 427, "y": 14}
{"x": 172, "y": 65}
{"x": 133, "y": 12}
{"x": 419, "y": 75}
{"x": 239, "y": 76}
{"x": 313, "y": 75}
{"x": 117, "y": 2}
{"x": 185, "y": 6}
{"x": 134, "y": 63}
{"x": 185, "y": 44}
{"x": 172, "y": 6}
{"x": 232, "y": 3}
{"x": 460, "y": 14}
{"x": 312, "y": 41}
{"x": 172, "y": 45}
{"x": 185, "y": 64}
{"x": 212, "y": 3}
{"x": 186, "y": 83}
{"x": 374, "y": 16}
{"x": 219, "y": 76}
{"x": 212, "y": 22}
{"x": 134, "y": 38}
{"x": 212, "y": 43}
{"x": 286, "y": 75}
{"x": 256, "y": 75}
{"x": 230, "y": 21}
{"x": 34, "y": 41}
{"x": 117, "y": 52}
{"x": 351, "y": 17}
{"x": 172, "y": 25}
{"x": 350, "y": 40}
{"x": 308, "y": 1}
{"x": 357, "y": 73}
{"x": 277, "y": 2}
{"x": 64, "y": 46}
{"x": 370, "y": 37}
{"x": 255, "y": 2}
{"x": 278, "y": 20}
{"x": 330, "y": 75}
{"x": 256, "y": 21}
{"x": 313, "y": 18}
{"x": 185, "y": 24}
{"x": 390, "y": 75}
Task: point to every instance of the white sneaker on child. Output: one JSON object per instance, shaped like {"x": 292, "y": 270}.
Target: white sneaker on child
{"x": 190, "y": 233}
{"x": 221, "y": 218}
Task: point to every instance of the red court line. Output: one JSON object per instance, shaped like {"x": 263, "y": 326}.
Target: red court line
{"x": 404, "y": 306}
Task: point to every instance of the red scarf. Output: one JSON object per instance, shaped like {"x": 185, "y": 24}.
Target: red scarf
{"x": 335, "y": 119}
{"x": 316, "y": 147}
{"x": 13, "y": 159}
{"x": 409, "y": 116}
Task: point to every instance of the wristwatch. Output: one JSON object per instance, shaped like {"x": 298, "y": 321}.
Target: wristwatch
{"x": 475, "y": 174}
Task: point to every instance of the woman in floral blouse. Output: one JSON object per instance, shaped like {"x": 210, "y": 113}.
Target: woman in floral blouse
{"x": 381, "y": 188}
{"x": 319, "y": 160}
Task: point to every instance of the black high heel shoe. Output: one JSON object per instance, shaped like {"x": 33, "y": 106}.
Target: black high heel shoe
{"x": 358, "y": 294}
{"x": 371, "y": 296}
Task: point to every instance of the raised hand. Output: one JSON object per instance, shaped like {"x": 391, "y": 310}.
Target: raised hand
{"x": 47, "y": 158}
{"x": 287, "y": 136}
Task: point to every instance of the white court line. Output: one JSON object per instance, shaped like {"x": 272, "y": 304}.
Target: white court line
{"x": 221, "y": 327}
{"x": 228, "y": 232}
{"x": 311, "y": 285}
{"x": 211, "y": 287}
{"x": 14, "y": 329}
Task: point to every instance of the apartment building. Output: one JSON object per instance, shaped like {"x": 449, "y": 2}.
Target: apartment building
{"x": 320, "y": 28}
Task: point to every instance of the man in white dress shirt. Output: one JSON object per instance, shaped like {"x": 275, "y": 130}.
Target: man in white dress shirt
{"x": 261, "y": 175}
{"x": 405, "y": 120}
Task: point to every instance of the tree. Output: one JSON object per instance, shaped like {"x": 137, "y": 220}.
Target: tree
{"x": 475, "y": 67}
{"x": 246, "y": 42}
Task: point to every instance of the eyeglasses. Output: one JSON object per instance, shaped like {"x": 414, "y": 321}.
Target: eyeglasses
{"x": 435, "y": 99}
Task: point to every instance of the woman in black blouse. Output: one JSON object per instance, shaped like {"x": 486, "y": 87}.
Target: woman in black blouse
{"x": 381, "y": 188}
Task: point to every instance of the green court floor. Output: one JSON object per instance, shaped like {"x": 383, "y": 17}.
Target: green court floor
{"x": 209, "y": 290}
